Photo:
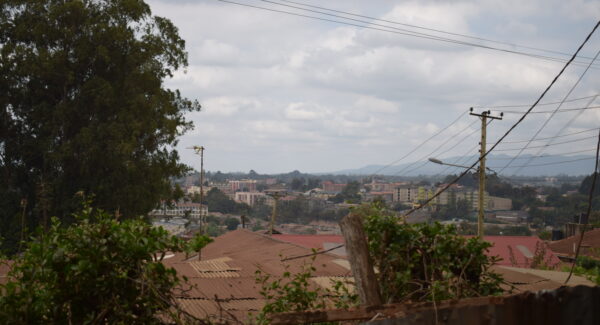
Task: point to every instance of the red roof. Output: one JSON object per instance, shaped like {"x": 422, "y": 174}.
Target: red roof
{"x": 310, "y": 241}
{"x": 523, "y": 247}
{"x": 589, "y": 246}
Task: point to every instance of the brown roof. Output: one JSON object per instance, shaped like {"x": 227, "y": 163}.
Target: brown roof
{"x": 223, "y": 283}
{"x": 590, "y": 245}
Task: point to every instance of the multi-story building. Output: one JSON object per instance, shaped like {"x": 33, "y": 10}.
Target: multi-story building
{"x": 411, "y": 194}
{"x": 250, "y": 198}
{"x": 383, "y": 187}
{"x": 499, "y": 203}
{"x": 244, "y": 185}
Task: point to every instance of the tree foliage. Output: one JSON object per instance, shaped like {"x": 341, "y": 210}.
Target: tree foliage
{"x": 83, "y": 106}
{"x": 218, "y": 201}
{"x": 427, "y": 262}
{"x": 97, "y": 271}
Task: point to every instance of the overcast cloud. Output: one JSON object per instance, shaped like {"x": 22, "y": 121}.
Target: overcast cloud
{"x": 281, "y": 93}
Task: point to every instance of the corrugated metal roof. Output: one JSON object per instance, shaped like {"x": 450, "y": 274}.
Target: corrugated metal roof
{"x": 589, "y": 246}
{"x": 226, "y": 275}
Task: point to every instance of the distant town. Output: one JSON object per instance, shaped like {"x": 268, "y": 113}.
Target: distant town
{"x": 313, "y": 204}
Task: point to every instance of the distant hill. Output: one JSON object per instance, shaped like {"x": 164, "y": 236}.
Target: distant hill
{"x": 552, "y": 166}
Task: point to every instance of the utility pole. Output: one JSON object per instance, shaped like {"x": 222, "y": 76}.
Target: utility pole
{"x": 484, "y": 116}
{"x": 200, "y": 151}
{"x": 276, "y": 195}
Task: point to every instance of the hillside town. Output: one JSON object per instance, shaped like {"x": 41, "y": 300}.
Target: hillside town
{"x": 408, "y": 162}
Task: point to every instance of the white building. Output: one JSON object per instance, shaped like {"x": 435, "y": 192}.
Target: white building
{"x": 191, "y": 210}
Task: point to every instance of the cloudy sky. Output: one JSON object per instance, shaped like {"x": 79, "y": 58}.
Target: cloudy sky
{"x": 282, "y": 92}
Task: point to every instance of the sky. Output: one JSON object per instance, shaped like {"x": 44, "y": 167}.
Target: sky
{"x": 282, "y": 93}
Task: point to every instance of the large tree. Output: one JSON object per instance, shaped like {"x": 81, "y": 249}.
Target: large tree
{"x": 83, "y": 107}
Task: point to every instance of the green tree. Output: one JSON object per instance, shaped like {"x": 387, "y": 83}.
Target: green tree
{"x": 219, "y": 202}
{"x": 197, "y": 243}
{"x": 426, "y": 261}
{"x": 232, "y": 223}
{"x": 98, "y": 270}
{"x": 83, "y": 107}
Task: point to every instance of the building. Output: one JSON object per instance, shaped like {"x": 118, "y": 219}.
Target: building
{"x": 223, "y": 187}
{"x": 245, "y": 185}
{"x": 590, "y": 246}
{"x": 222, "y": 285}
{"x": 250, "y": 198}
{"x": 386, "y": 196}
{"x": 498, "y": 203}
{"x": 182, "y": 209}
{"x": 329, "y": 186}
{"x": 513, "y": 250}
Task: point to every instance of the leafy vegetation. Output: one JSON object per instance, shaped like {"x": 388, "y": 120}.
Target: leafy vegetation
{"x": 83, "y": 107}
{"x": 349, "y": 193}
{"x": 218, "y": 201}
{"x": 587, "y": 267}
{"x": 423, "y": 262}
{"x": 293, "y": 292}
{"x": 98, "y": 270}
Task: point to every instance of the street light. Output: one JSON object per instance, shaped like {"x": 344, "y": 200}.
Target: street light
{"x": 439, "y": 162}
{"x": 481, "y": 191}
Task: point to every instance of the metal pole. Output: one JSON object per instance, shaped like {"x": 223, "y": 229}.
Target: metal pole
{"x": 202, "y": 223}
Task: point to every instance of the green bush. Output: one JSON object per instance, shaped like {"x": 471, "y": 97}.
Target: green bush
{"x": 426, "y": 262}
{"x": 98, "y": 270}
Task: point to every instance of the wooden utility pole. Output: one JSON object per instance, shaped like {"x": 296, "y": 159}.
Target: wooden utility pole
{"x": 360, "y": 261}
{"x": 276, "y": 195}
{"x": 484, "y": 116}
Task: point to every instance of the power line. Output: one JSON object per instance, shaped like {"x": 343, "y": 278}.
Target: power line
{"x": 400, "y": 172}
{"x": 545, "y": 145}
{"x": 420, "y": 145}
{"x": 545, "y": 156}
{"x": 512, "y": 127}
{"x": 589, "y": 209}
{"x": 550, "y": 163}
{"x": 557, "y": 108}
{"x": 419, "y": 27}
{"x": 559, "y": 111}
{"x": 528, "y": 105}
{"x": 553, "y": 137}
{"x": 409, "y": 33}
{"x": 562, "y": 129}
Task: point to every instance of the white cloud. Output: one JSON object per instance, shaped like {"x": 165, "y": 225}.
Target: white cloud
{"x": 283, "y": 92}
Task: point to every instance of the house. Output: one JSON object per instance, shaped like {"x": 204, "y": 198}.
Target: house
{"x": 250, "y": 198}
{"x": 590, "y": 246}
{"x": 180, "y": 209}
{"x": 222, "y": 285}
{"x": 516, "y": 251}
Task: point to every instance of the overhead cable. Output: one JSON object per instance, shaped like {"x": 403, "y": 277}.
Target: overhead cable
{"x": 564, "y": 110}
{"x": 435, "y": 30}
{"x": 552, "y": 137}
{"x": 545, "y": 145}
{"x": 541, "y": 104}
{"x": 484, "y": 155}
{"x": 400, "y": 172}
{"x": 551, "y": 163}
{"x": 410, "y": 33}
{"x": 588, "y": 211}
{"x": 420, "y": 145}
{"x": 557, "y": 108}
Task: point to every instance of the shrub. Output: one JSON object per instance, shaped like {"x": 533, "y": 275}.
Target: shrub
{"x": 426, "y": 262}
{"x": 98, "y": 270}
